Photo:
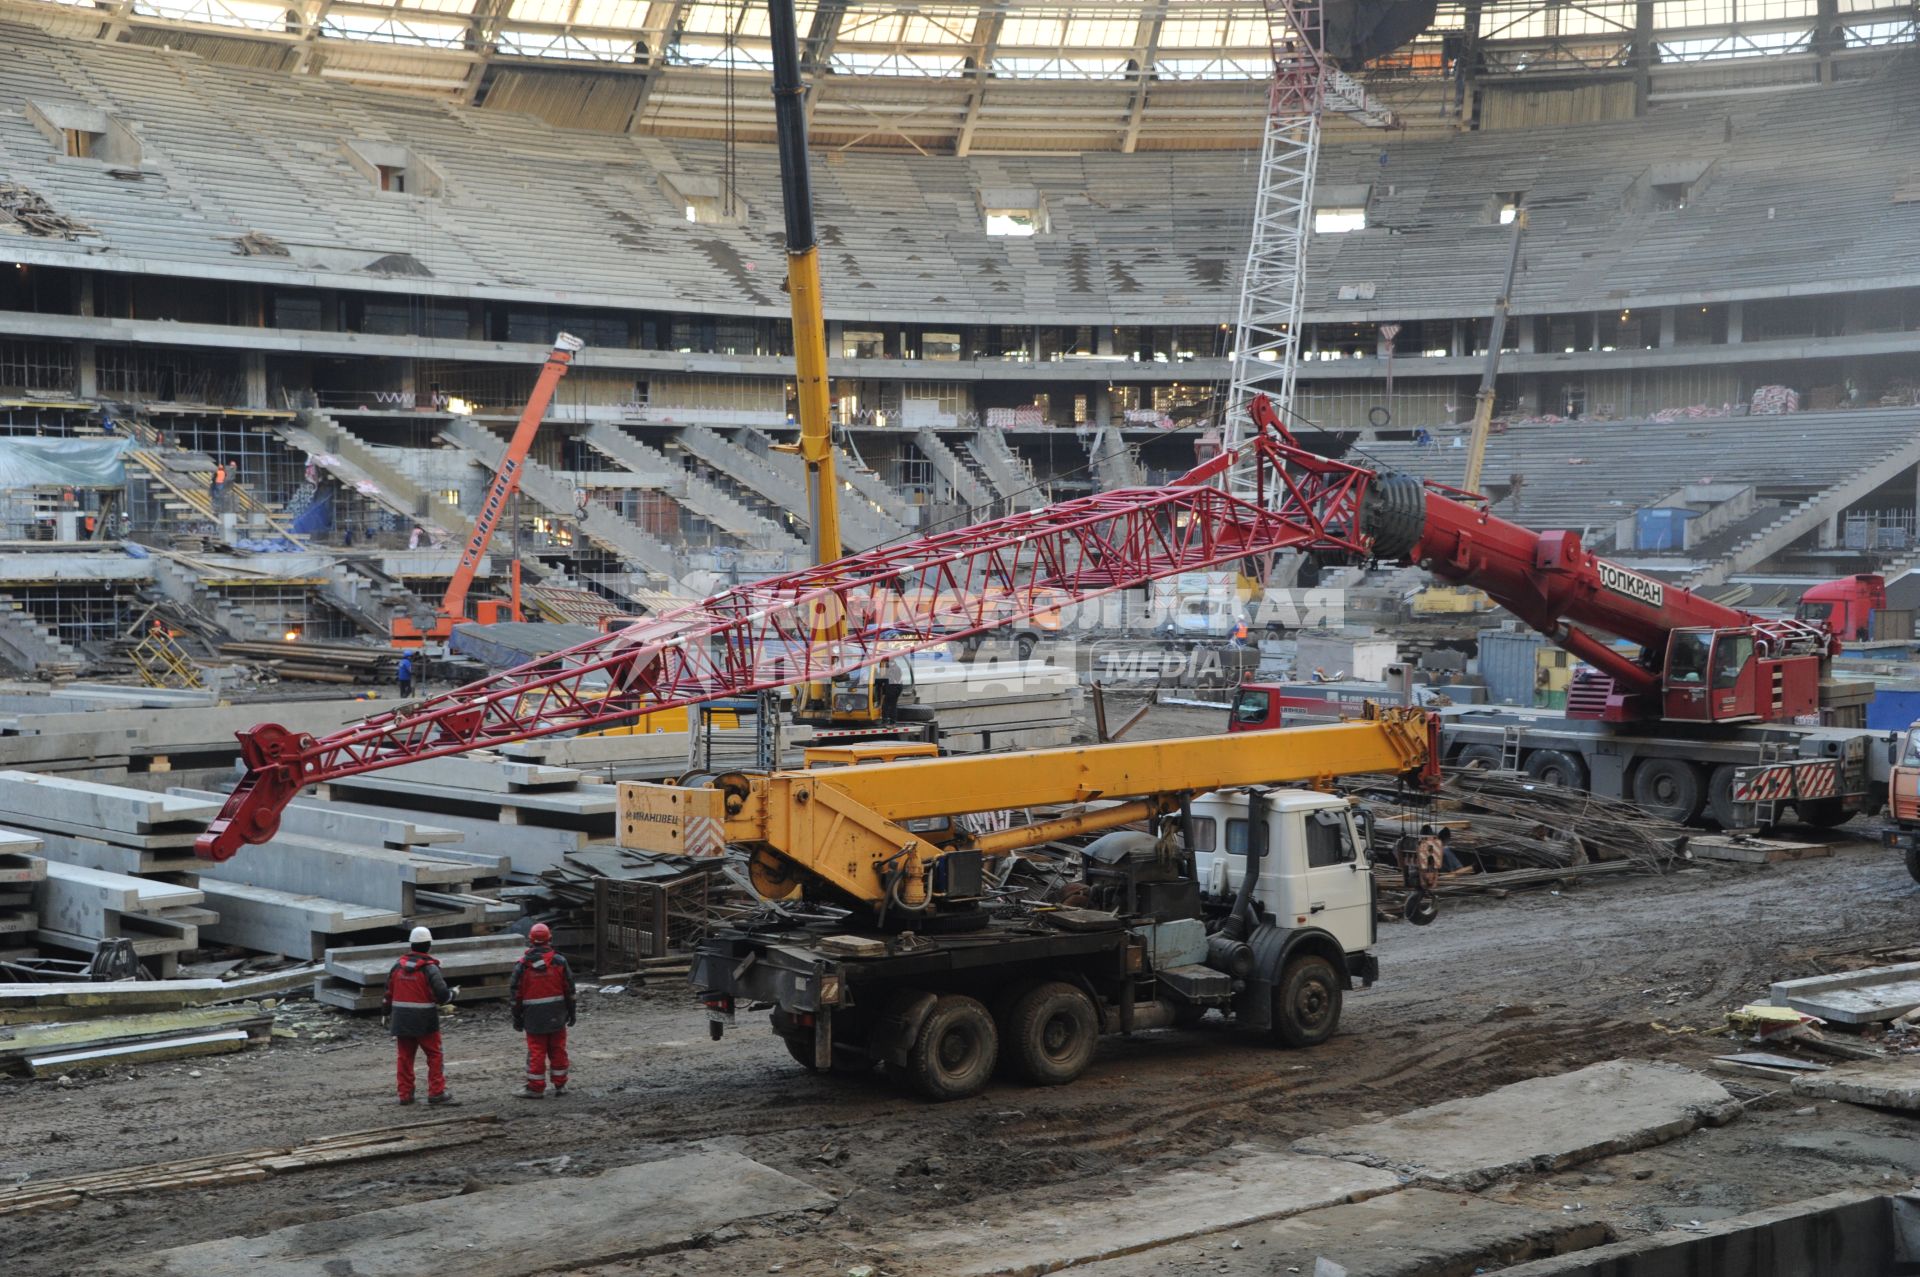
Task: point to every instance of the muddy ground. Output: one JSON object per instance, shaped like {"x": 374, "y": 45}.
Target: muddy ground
{"x": 1494, "y": 992}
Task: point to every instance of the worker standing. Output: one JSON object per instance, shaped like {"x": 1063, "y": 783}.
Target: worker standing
{"x": 404, "y": 675}
{"x": 416, "y": 990}
{"x": 542, "y": 999}
{"x": 217, "y": 488}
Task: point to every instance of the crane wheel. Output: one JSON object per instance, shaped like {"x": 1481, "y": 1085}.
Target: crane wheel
{"x": 1913, "y": 863}
{"x": 1481, "y": 758}
{"x": 1668, "y": 788}
{"x": 1306, "y": 1002}
{"x": 954, "y": 1054}
{"x": 1051, "y": 1033}
{"x": 1721, "y": 806}
{"x": 1557, "y": 767}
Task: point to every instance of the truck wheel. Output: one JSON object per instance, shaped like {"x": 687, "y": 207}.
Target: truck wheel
{"x": 1557, "y": 767}
{"x": 1822, "y": 813}
{"x": 1051, "y": 1033}
{"x": 1024, "y": 644}
{"x": 1727, "y": 813}
{"x": 1913, "y": 863}
{"x": 1306, "y": 1002}
{"x": 1668, "y": 788}
{"x": 954, "y": 1055}
{"x": 1484, "y": 758}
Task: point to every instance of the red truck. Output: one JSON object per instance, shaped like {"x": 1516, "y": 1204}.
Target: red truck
{"x": 1847, "y": 605}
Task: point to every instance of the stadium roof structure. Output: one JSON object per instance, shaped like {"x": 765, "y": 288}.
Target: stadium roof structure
{"x": 957, "y": 78}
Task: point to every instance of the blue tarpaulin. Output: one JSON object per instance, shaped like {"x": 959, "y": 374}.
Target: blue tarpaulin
{"x": 316, "y": 518}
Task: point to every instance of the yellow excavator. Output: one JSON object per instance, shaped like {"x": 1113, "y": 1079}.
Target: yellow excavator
{"x": 892, "y": 935}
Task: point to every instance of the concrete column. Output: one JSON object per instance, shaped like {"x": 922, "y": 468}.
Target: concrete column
{"x": 1830, "y": 531}
{"x": 1528, "y": 332}
{"x": 1736, "y": 322}
{"x": 836, "y": 334}
{"x": 1103, "y": 339}
{"x": 256, "y": 368}
{"x": 1101, "y": 401}
{"x": 1642, "y": 55}
{"x": 85, "y": 299}
{"x": 1456, "y": 340}
{"x": 86, "y": 370}
{"x": 1669, "y": 328}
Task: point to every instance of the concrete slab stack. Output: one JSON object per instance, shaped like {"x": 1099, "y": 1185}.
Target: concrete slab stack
{"x": 530, "y": 812}
{"x": 106, "y": 827}
{"x": 333, "y": 878}
{"x": 999, "y": 705}
{"x": 80, "y": 909}
{"x": 19, "y": 874}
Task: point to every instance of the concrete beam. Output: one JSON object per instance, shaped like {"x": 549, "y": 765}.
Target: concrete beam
{"x": 90, "y": 902}
{"x": 371, "y": 877}
{"x": 306, "y": 820}
{"x": 586, "y": 802}
{"x": 285, "y": 922}
{"x": 486, "y": 775}
{"x": 87, "y": 803}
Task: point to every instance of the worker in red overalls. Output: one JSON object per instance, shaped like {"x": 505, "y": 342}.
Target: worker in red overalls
{"x": 542, "y": 998}
{"x": 415, "y": 993}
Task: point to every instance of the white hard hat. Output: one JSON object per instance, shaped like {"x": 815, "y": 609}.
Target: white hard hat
{"x": 420, "y": 935}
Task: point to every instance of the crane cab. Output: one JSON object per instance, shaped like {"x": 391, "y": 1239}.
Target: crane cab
{"x": 1313, "y": 871}
{"x": 1710, "y": 675}
{"x": 1724, "y": 675}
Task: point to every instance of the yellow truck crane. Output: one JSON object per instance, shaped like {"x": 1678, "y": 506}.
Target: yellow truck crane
{"x": 889, "y": 939}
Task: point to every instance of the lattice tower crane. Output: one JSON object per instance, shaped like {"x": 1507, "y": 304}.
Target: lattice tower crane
{"x": 1266, "y": 345}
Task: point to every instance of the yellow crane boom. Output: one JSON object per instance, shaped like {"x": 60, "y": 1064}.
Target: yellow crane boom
{"x": 871, "y": 834}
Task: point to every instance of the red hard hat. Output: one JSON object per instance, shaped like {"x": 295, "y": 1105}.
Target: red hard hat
{"x": 539, "y": 933}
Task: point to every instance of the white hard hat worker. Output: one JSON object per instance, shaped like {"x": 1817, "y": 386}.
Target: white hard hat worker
{"x": 420, "y": 937}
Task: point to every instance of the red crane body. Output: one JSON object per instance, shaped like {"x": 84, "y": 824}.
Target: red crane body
{"x": 1699, "y": 660}
{"x": 839, "y": 617}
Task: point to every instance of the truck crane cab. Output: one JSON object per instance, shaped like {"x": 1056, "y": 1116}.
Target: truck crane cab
{"x": 1712, "y": 676}
{"x": 1314, "y": 872}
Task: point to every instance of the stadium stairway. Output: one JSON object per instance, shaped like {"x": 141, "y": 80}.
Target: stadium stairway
{"x": 596, "y": 522}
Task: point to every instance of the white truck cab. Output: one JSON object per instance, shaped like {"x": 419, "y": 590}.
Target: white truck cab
{"x": 1314, "y": 870}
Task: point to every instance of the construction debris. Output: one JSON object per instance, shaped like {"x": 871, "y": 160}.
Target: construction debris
{"x": 1872, "y": 996}
{"x": 29, "y": 210}
{"x": 1514, "y": 832}
{"x": 47, "y": 1050}
{"x": 235, "y": 1168}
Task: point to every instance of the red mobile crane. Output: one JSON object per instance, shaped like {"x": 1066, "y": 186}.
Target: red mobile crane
{"x": 506, "y": 480}
{"x": 1635, "y": 716}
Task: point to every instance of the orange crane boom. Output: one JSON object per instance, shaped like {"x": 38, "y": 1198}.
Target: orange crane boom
{"x": 506, "y": 481}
